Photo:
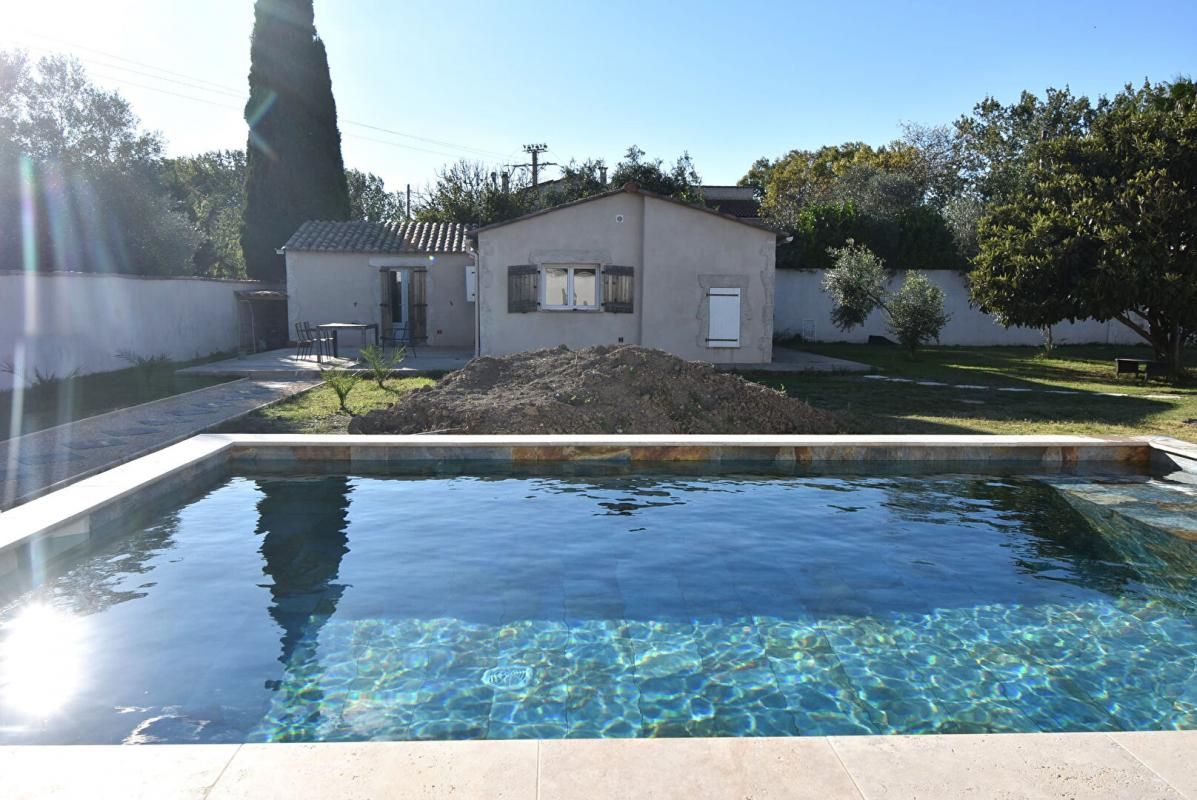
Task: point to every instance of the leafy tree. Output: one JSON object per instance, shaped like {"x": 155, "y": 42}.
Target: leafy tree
{"x": 52, "y": 111}
{"x": 576, "y": 181}
{"x": 1102, "y": 223}
{"x": 75, "y": 157}
{"x": 879, "y": 197}
{"x": 858, "y": 285}
{"x": 818, "y": 229}
{"x": 294, "y": 169}
{"x": 995, "y": 140}
{"x": 681, "y": 181}
{"x": 464, "y": 192}
{"x": 369, "y": 199}
{"x": 208, "y": 189}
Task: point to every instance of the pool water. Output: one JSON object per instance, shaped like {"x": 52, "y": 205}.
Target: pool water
{"x": 329, "y": 607}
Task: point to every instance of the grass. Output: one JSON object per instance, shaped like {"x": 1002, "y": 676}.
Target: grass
{"x": 874, "y": 406}
{"x": 317, "y": 410}
{"x": 56, "y": 402}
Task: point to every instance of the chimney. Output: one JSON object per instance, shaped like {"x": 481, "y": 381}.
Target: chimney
{"x": 603, "y": 174}
{"x": 506, "y": 182}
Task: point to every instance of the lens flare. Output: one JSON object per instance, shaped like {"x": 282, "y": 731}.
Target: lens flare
{"x": 40, "y": 660}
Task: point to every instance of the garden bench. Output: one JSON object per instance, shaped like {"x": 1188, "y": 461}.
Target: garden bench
{"x": 1146, "y": 367}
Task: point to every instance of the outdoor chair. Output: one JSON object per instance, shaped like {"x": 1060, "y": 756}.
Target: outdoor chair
{"x": 303, "y": 341}
{"x": 321, "y": 341}
{"x": 399, "y": 336}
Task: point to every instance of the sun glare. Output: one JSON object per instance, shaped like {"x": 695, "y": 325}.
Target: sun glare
{"x": 39, "y": 660}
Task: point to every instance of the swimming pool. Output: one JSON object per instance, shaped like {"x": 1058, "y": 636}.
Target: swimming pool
{"x": 602, "y": 602}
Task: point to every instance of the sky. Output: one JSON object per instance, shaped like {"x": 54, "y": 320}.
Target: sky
{"x": 728, "y": 82}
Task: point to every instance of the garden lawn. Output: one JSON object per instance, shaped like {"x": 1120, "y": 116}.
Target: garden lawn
{"x": 875, "y": 406}
{"x": 317, "y": 410}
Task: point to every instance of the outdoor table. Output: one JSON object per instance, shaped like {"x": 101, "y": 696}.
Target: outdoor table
{"x": 336, "y": 327}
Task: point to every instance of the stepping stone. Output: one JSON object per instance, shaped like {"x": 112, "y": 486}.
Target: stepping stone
{"x": 1013, "y": 389}
{"x": 971, "y": 386}
{"x": 930, "y": 383}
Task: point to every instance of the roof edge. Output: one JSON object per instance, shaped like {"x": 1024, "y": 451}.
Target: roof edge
{"x": 631, "y": 187}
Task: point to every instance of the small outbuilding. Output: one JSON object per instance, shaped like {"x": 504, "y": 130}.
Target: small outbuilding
{"x": 416, "y": 276}
{"x": 632, "y": 267}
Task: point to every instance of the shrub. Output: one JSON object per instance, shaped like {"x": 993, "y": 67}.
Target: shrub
{"x": 380, "y": 363}
{"x": 342, "y": 382}
{"x": 916, "y": 314}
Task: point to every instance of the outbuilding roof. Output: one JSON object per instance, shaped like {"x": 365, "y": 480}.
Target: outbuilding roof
{"x": 377, "y": 237}
{"x": 630, "y": 187}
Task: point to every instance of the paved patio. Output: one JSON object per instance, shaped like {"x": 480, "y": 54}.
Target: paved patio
{"x": 1079, "y": 766}
{"x": 284, "y": 364}
{"x": 786, "y": 359}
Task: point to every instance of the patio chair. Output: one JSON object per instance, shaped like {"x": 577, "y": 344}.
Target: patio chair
{"x": 321, "y": 341}
{"x": 399, "y": 336}
{"x": 303, "y": 341}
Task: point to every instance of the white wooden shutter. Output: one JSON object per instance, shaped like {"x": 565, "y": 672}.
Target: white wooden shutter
{"x": 471, "y": 278}
{"x": 723, "y": 327}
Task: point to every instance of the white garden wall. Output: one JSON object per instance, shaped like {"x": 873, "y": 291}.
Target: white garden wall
{"x": 59, "y": 322}
{"x": 802, "y": 307}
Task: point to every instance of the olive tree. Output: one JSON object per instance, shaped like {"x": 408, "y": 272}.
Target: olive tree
{"x": 859, "y": 284}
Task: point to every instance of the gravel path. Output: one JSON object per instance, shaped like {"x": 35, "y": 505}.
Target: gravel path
{"x": 33, "y": 464}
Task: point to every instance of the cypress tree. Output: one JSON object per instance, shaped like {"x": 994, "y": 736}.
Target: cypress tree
{"x": 294, "y": 170}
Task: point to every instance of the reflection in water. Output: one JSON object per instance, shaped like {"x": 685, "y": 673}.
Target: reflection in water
{"x": 303, "y": 528}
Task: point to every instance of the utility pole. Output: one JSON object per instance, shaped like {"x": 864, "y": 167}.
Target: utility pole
{"x": 535, "y": 150}
{"x": 407, "y": 206}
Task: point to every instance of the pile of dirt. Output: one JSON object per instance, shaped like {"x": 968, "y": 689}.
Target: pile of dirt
{"x": 607, "y": 389}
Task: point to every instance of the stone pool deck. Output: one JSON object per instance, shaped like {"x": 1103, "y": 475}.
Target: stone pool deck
{"x": 1078, "y": 766}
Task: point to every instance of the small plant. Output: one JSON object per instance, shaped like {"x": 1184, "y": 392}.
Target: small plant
{"x": 342, "y": 382}
{"x": 381, "y": 363}
{"x": 144, "y": 362}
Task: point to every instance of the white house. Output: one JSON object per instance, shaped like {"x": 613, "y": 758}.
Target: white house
{"x": 626, "y": 266}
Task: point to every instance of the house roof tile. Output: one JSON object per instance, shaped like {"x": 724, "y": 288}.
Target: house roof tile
{"x": 377, "y": 237}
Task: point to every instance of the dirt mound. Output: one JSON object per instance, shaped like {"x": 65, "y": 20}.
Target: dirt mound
{"x": 608, "y": 389}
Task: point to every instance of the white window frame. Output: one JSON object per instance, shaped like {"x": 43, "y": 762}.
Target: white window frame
{"x": 569, "y": 287}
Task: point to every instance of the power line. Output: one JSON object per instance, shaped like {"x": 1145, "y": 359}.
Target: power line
{"x": 192, "y": 82}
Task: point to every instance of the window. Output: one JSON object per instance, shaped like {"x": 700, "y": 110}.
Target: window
{"x": 571, "y": 287}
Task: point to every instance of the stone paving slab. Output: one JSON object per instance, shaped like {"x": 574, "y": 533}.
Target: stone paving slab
{"x": 33, "y": 464}
{"x": 284, "y": 364}
{"x": 1078, "y": 766}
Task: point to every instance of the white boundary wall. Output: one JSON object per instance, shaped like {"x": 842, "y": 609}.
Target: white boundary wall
{"x": 802, "y": 307}
{"x": 57, "y": 322}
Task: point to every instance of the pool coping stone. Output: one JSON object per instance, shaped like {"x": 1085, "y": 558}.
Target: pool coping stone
{"x": 1082, "y": 766}
{"x": 64, "y": 518}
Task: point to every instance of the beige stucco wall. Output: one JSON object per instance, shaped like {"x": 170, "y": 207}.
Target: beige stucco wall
{"x": 345, "y": 287}
{"x": 56, "y": 323}
{"x": 677, "y": 253}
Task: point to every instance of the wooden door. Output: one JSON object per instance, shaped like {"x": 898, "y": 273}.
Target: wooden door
{"x": 418, "y": 297}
